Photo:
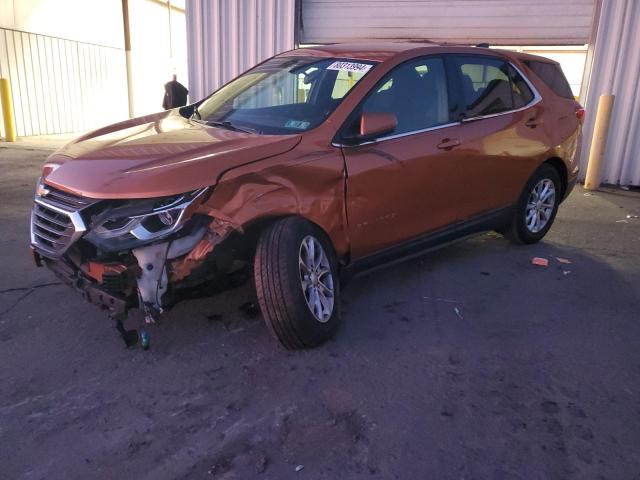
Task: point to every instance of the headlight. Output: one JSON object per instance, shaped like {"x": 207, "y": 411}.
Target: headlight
{"x": 138, "y": 222}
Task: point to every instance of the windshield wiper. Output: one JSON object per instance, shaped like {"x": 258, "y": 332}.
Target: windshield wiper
{"x": 230, "y": 126}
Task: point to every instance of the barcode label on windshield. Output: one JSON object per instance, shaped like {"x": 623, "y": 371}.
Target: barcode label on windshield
{"x": 350, "y": 67}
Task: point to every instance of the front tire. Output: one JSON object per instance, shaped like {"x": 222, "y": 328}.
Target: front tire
{"x": 537, "y": 207}
{"x": 295, "y": 270}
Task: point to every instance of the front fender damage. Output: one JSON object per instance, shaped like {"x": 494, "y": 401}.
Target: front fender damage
{"x": 313, "y": 189}
{"x": 239, "y": 203}
{"x": 215, "y": 234}
{"x": 173, "y": 261}
{"x": 214, "y": 249}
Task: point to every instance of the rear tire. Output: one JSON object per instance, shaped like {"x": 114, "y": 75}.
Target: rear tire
{"x": 537, "y": 207}
{"x": 298, "y": 292}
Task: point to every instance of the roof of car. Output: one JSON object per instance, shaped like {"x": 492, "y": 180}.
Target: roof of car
{"x": 376, "y": 51}
{"x": 379, "y": 51}
{"x": 528, "y": 56}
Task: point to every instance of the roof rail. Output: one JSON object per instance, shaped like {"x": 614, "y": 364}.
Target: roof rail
{"x": 482, "y": 45}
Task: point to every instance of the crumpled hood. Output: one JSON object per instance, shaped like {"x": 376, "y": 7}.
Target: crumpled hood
{"x": 157, "y": 155}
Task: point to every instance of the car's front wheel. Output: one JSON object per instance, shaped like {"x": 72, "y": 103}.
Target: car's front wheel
{"x": 537, "y": 206}
{"x": 297, "y": 285}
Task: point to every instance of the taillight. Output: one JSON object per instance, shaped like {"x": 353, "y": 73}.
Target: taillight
{"x": 580, "y": 114}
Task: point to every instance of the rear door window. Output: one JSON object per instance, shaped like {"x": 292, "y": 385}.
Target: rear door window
{"x": 485, "y": 85}
{"x": 551, "y": 74}
{"x": 490, "y": 85}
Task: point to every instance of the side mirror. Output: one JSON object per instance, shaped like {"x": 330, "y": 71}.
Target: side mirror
{"x": 374, "y": 124}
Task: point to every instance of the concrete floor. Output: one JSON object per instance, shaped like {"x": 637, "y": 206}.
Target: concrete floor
{"x": 536, "y": 376}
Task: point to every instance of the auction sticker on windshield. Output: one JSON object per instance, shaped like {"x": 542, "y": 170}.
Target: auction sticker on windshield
{"x": 350, "y": 66}
{"x": 299, "y": 124}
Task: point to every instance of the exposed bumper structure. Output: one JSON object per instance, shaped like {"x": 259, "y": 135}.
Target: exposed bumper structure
{"x": 91, "y": 290}
{"x": 117, "y": 281}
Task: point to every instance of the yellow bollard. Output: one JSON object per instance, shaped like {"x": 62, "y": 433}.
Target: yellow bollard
{"x": 7, "y": 110}
{"x": 598, "y": 142}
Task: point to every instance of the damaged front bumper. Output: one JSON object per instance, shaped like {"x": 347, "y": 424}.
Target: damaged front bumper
{"x": 143, "y": 276}
{"x": 117, "y": 303}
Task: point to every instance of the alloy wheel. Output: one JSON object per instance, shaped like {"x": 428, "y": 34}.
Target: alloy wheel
{"x": 540, "y": 205}
{"x": 316, "y": 278}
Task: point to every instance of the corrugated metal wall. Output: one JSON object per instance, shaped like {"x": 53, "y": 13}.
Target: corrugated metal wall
{"x": 78, "y": 83}
{"x": 62, "y": 85}
{"x": 616, "y": 70}
{"x": 225, "y": 38}
{"x": 498, "y": 22}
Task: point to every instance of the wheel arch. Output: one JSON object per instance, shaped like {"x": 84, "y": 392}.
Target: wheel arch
{"x": 561, "y": 168}
{"x": 254, "y": 228}
{"x": 237, "y": 244}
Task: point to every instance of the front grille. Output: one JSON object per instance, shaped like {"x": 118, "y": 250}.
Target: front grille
{"x": 67, "y": 200}
{"x": 56, "y": 222}
{"x": 51, "y": 229}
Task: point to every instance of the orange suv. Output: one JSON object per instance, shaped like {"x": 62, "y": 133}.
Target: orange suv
{"x": 313, "y": 165}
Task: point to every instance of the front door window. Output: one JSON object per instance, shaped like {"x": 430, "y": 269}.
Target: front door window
{"x": 416, "y": 92}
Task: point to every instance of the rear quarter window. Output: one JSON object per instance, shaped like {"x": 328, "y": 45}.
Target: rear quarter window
{"x": 551, "y": 74}
{"x": 522, "y": 94}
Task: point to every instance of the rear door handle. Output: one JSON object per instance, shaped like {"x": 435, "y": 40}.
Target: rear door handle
{"x": 448, "y": 143}
{"x": 532, "y": 123}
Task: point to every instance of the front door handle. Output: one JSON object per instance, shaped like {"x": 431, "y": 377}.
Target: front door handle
{"x": 448, "y": 143}
{"x": 532, "y": 122}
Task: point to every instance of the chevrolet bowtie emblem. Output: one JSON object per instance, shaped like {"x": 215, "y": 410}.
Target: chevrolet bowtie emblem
{"x": 42, "y": 191}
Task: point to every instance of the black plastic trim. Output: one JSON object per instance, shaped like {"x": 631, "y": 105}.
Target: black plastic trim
{"x": 491, "y": 220}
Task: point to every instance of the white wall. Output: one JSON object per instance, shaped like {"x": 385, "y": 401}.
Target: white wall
{"x": 61, "y": 85}
{"x": 156, "y": 55}
{"x": 66, "y": 61}
{"x": 90, "y": 21}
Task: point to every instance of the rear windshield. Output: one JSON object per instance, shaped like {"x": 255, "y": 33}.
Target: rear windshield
{"x": 551, "y": 74}
{"x": 283, "y": 95}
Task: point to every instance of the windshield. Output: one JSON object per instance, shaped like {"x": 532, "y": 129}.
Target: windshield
{"x": 283, "y": 95}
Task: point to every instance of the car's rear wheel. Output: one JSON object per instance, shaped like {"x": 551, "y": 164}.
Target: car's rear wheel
{"x": 297, "y": 283}
{"x": 537, "y": 206}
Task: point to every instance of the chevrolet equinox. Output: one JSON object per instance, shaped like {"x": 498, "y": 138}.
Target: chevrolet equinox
{"x": 315, "y": 164}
